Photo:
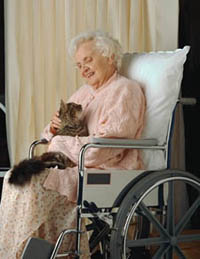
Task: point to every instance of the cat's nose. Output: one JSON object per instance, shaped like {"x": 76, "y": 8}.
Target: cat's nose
{"x": 79, "y": 107}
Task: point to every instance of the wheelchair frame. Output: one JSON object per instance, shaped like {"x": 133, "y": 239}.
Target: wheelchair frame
{"x": 130, "y": 201}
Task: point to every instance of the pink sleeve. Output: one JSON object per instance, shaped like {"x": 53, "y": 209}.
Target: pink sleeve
{"x": 122, "y": 117}
{"x": 46, "y": 133}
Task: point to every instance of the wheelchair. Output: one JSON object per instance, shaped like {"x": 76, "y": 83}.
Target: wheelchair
{"x": 133, "y": 214}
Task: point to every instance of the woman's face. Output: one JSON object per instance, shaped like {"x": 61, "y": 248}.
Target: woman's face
{"x": 94, "y": 68}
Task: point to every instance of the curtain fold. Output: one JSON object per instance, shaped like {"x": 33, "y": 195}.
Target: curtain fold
{"x": 39, "y": 71}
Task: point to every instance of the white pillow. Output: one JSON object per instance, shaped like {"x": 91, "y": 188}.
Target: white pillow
{"x": 160, "y": 74}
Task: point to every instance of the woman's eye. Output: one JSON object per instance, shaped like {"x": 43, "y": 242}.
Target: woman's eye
{"x": 78, "y": 66}
{"x": 87, "y": 60}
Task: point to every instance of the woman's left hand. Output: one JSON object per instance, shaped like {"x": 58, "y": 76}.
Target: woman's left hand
{"x": 55, "y": 123}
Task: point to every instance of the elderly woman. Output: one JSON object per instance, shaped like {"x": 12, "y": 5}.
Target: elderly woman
{"x": 113, "y": 106}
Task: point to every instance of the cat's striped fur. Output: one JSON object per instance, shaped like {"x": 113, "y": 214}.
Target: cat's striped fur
{"x": 71, "y": 125}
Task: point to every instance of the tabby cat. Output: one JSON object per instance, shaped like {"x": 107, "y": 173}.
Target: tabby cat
{"x": 71, "y": 125}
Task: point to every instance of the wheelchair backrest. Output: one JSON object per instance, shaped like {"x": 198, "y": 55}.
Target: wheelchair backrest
{"x": 160, "y": 74}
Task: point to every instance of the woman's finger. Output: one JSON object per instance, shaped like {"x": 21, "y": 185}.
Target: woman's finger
{"x": 55, "y": 123}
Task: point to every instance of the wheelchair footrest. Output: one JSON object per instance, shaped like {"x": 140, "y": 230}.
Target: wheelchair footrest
{"x": 37, "y": 248}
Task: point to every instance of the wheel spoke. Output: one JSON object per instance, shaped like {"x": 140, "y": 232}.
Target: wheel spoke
{"x": 187, "y": 216}
{"x": 179, "y": 252}
{"x": 188, "y": 238}
{"x": 169, "y": 253}
{"x": 154, "y": 220}
{"x": 161, "y": 252}
{"x": 146, "y": 242}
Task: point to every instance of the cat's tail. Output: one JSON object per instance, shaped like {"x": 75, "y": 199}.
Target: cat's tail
{"x": 22, "y": 173}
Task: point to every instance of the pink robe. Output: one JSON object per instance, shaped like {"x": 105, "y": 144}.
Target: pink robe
{"x": 47, "y": 205}
{"x": 115, "y": 110}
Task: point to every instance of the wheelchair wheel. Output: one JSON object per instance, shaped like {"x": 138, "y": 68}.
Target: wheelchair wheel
{"x": 169, "y": 231}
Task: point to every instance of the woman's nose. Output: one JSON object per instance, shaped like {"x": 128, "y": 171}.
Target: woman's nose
{"x": 85, "y": 70}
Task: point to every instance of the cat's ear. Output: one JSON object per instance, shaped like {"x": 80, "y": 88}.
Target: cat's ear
{"x": 62, "y": 107}
{"x": 62, "y": 103}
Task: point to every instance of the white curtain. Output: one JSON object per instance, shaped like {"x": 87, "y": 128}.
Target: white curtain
{"x": 39, "y": 71}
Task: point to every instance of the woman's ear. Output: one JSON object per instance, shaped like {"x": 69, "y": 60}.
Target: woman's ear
{"x": 111, "y": 59}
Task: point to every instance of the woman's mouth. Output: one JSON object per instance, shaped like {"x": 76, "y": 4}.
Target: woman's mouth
{"x": 89, "y": 75}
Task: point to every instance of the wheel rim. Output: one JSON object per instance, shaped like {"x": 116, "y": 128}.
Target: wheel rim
{"x": 170, "y": 237}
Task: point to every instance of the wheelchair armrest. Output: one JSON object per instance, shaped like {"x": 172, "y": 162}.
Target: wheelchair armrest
{"x": 188, "y": 101}
{"x": 131, "y": 142}
{"x": 34, "y": 144}
{"x": 3, "y": 171}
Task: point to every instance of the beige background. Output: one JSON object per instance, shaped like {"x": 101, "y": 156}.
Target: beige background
{"x": 39, "y": 71}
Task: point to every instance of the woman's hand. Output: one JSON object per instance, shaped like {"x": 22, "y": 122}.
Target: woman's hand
{"x": 55, "y": 123}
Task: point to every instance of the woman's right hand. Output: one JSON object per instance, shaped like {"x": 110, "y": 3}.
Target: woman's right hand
{"x": 55, "y": 123}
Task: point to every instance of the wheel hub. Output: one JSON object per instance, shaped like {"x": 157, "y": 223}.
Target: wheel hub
{"x": 173, "y": 241}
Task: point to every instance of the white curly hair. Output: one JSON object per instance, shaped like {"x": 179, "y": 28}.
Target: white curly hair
{"x": 107, "y": 45}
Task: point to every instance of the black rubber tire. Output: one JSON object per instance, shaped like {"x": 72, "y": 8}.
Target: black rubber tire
{"x": 169, "y": 232}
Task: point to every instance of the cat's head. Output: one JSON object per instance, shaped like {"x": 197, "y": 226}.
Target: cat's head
{"x": 70, "y": 111}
